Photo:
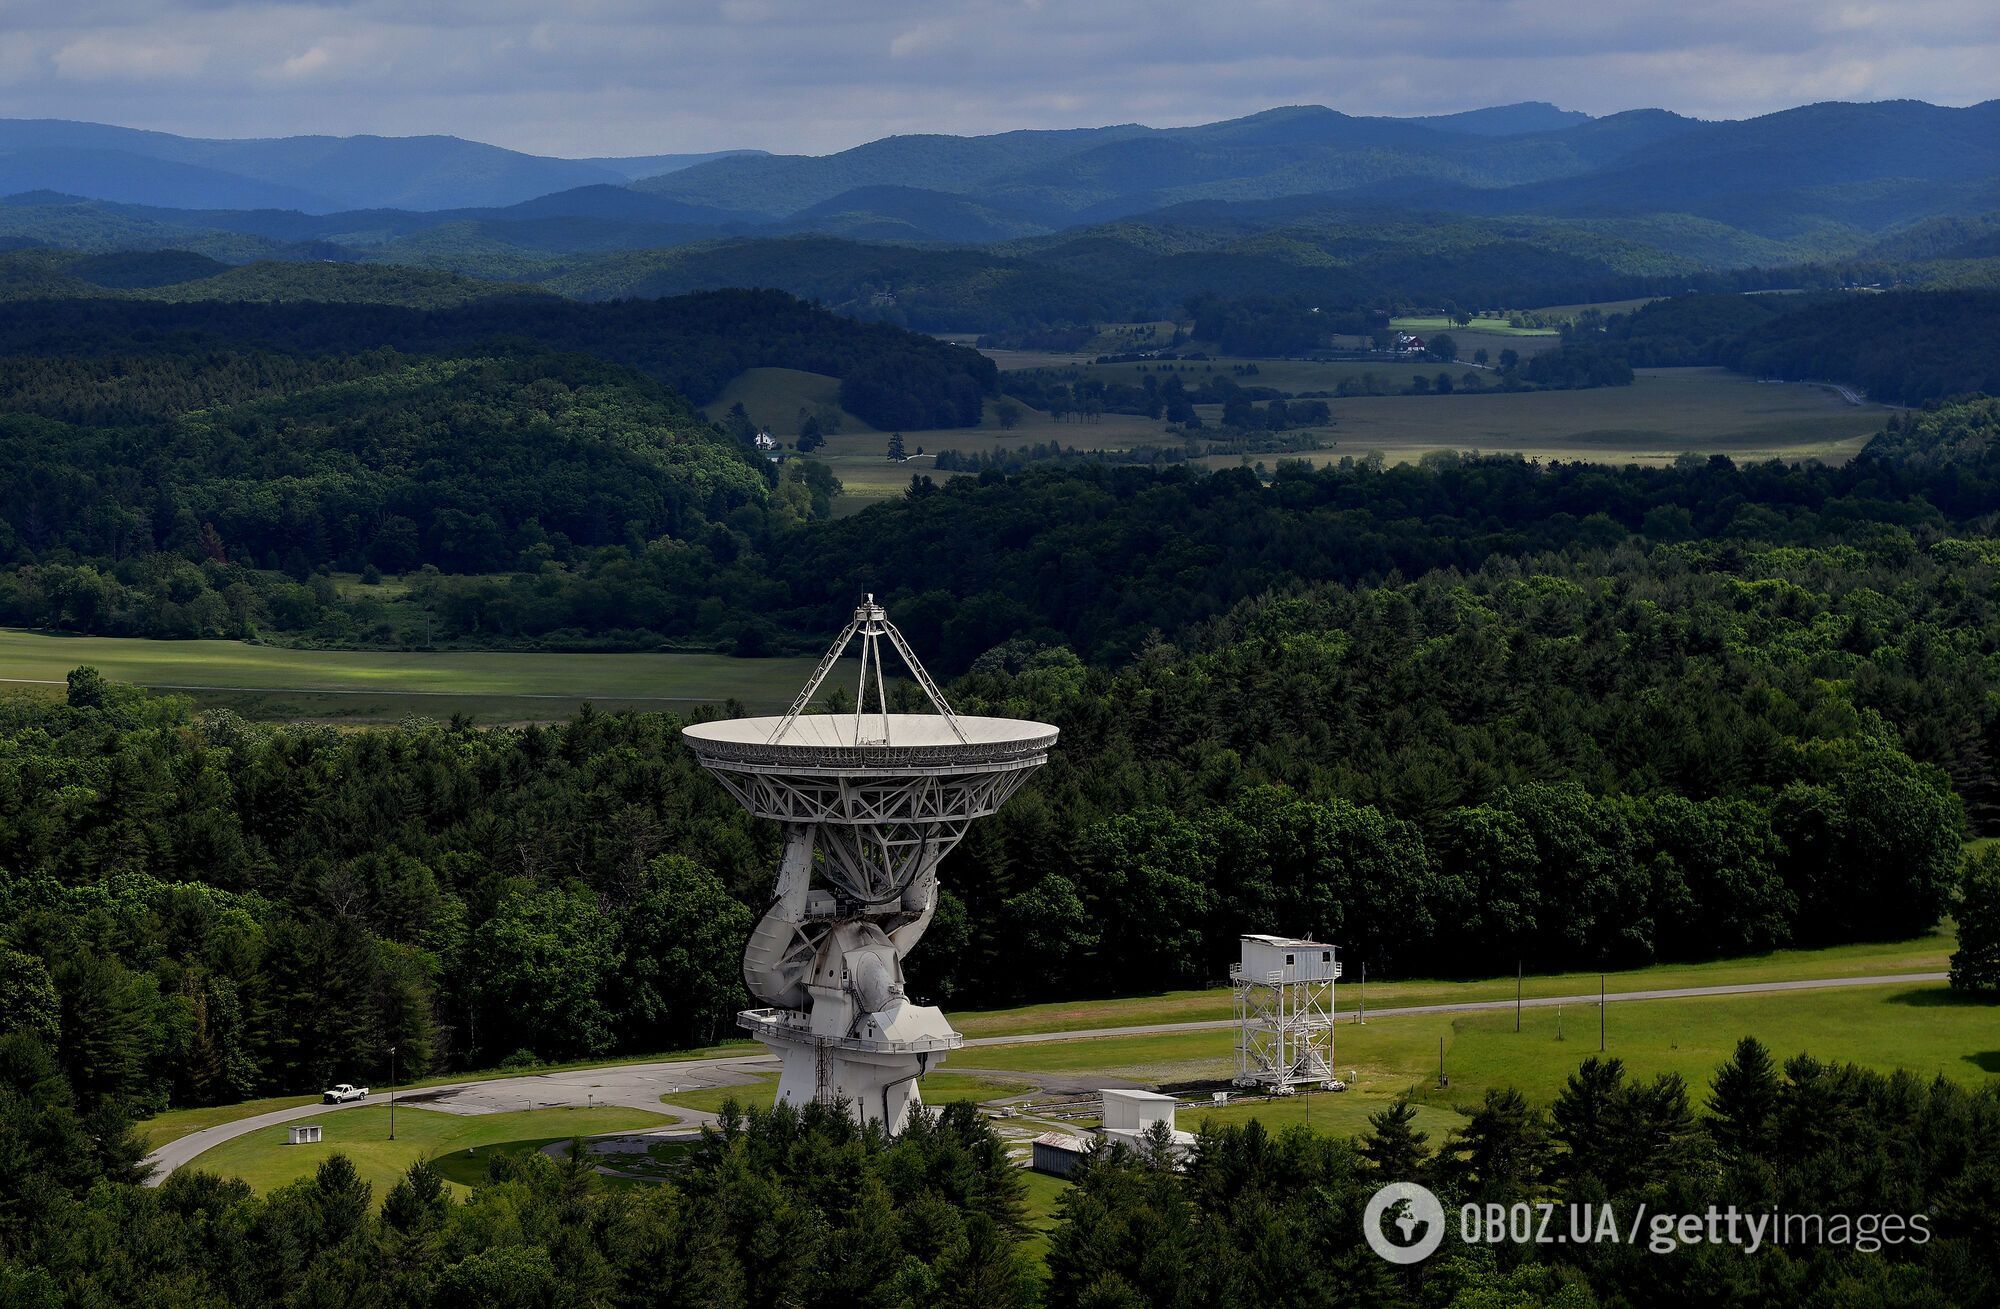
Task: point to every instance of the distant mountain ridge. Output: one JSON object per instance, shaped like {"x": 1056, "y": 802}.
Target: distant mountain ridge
{"x": 314, "y": 174}
{"x": 1509, "y": 205}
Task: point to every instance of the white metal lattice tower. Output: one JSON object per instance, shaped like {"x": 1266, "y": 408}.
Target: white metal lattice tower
{"x": 870, "y": 802}
{"x": 1284, "y": 1013}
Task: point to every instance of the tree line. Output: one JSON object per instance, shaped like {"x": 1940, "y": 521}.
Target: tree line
{"x": 802, "y": 1208}
{"x": 1606, "y": 761}
{"x": 693, "y": 343}
{"x": 1276, "y": 1217}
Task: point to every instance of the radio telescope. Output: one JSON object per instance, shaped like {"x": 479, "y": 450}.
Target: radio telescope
{"x": 870, "y": 801}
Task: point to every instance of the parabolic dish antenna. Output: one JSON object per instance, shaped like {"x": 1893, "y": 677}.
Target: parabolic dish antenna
{"x": 870, "y": 800}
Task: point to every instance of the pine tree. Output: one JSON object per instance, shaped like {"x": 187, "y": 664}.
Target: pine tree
{"x": 1583, "y": 1114}
{"x": 1743, "y": 1098}
{"x": 1503, "y": 1144}
{"x": 1393, "y": 1145}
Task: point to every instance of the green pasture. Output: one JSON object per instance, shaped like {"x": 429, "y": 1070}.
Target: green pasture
{"x": 1925, "y": 1028}
{"x": 273, "y": 682}
{"x": 773, "y": 397}
{"x": 1925, "y": 954}
{"x": 264, "y": 1160}
{"x": 1480, "y": 324}
{"x": 1292, "y": 376}
{"x": 1665, "y": 413}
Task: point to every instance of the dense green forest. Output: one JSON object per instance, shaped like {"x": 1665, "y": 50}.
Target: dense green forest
{"x": 1900, "y": 347}
{"x": 693, "y": 343}
{"x": 1271, "y": 1218}
{"x": 1766, "y": 716}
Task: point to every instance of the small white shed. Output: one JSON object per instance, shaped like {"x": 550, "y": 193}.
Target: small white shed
{"x": 1283, "y": 960}
{"x": 1135, "y": 1111}
{"x": 305, "y": 1134}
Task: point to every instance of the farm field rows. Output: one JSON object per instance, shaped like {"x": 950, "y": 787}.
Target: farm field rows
{"x": 273, "y": 682}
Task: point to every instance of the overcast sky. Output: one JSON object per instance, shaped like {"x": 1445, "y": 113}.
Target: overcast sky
{"x": 623, "y": 77}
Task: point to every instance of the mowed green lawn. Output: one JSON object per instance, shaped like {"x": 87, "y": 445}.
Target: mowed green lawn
{"x": 363, "y": 685}
{"x": 1921, "y": 1027}
{"x": 264, "y": 1160}
{"x": 1925, "y": 954}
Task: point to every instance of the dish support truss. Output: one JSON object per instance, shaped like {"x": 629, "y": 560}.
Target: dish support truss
{"x": 1284, "y": 1030}
{"x": 870, "y": 623}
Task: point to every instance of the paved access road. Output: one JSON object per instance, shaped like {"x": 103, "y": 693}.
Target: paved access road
{"x": 644, "y": 1085}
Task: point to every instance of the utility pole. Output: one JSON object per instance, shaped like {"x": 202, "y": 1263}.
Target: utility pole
{"x": 1517, "y": 995}
{"x": 1361, "y": 1014}
{"x": 1600, "y": 1013}
{"x": 392, "y": 1093}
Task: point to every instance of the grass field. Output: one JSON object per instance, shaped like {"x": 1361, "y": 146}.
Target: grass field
{"x": 1923, "y": 1028}
{"x": 265, "y": 1161}
{"x": 1479, "y": 325}
{"x": 773, "y": 397}
{"x": 1044, "y": 1194}
{"x": 1665, "y": 413}
{"x": 270, "y": 682}
{"x": 1927, "y": 954}
{"x": 176, "y": 1123}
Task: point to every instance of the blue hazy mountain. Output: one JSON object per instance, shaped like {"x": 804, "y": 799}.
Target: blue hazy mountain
{"x": 1507, "y": 120}
{"x": 316, "y": 174}
{"x": 1817, "y": 182}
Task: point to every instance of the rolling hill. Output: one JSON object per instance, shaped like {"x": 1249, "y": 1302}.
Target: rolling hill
{"x": 316, "y": 174}
{"x": 1518, "y": 205}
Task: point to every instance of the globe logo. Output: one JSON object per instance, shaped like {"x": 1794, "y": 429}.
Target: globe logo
{"x": 1404, "y": 1223}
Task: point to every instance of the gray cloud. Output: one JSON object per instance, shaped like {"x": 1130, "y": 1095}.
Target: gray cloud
{"x": 621, "y": 76}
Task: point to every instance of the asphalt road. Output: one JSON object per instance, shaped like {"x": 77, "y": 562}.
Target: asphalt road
{"x": 643, "y": 1085}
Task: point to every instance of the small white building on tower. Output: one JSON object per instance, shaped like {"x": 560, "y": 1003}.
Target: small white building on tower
{"x": 1284, "y": 1013}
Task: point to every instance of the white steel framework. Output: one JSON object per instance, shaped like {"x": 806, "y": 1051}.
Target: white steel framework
{"x": 1284, "y": 1013}
{"x": 870, "y": 801}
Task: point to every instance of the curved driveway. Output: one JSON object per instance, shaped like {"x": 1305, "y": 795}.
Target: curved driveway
{"x": 647, "y": 1085}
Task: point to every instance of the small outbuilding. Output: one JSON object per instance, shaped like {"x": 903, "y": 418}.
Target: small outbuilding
{"x": 1058, "y": 1153}
{"x": 304, "y": 1134}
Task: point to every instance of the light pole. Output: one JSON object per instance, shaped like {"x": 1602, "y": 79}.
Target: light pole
{"x": 392, "y": 1093}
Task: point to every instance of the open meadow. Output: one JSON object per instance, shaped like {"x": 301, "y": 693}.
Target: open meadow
{"x": 358, "y": 686}
{"x": 773, "y": 398}
{"x": 1925, "y": 954}
{"x": 1924, "y": 1027}
{"x": 1665, "y": 413}
{"x": 1480, "y": 325}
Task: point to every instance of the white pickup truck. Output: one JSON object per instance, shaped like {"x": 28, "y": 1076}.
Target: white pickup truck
{"x": 343, "y": 1093}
